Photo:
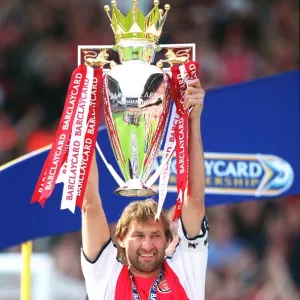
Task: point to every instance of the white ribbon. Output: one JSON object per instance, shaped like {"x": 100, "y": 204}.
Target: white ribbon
{"x": 110, "y": 168}
{"x": 76, "y": 150}
{"x": 62, "y": 173}
{"x": 164, "y": 169}
{"x": 115, "y": 175}
{"x": 183, "y": 73}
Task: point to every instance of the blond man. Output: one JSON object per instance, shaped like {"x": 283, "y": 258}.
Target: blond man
{"x": 140, "y": 269}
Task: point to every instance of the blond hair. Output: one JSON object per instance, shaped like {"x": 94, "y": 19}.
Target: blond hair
{"x": 140, "y": 211}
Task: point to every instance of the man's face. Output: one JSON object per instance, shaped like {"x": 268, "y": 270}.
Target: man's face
{"x": 145, "y": 245}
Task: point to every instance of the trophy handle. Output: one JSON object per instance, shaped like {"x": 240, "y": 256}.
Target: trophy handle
{"x": 92, "y": 59}
{"x": 93, "y": 50}
{"x": 110, "y": 168}
{"x": 139, "y": 190}
{"x": 172, "y": 58}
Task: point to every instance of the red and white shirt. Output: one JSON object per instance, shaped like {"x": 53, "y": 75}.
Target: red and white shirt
{"x": 184, "y": 273}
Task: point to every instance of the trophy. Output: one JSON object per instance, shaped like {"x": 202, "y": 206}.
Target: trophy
{"x": 136, "y": 97}
{"x": 136, "y": 93}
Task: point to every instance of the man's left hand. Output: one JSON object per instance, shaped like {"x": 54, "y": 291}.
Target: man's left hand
{"x": 194, "y": 97}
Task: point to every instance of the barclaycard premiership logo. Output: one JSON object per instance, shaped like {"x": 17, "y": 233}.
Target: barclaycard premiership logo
{"x": 241, "y": 174}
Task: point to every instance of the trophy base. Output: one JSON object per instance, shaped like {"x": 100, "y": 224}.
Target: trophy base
{"x": 133, "y": 192}
{"x": 134, "y": 188}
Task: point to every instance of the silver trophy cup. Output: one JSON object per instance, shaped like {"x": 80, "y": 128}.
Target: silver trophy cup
{"x": 137, "y": 99}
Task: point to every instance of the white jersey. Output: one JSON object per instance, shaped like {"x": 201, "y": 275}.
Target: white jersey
{"x": 108, "y": 279}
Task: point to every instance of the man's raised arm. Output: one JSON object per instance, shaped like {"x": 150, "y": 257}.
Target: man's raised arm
{"x": 95, "y": 231}
{"x": 193, "y": 208}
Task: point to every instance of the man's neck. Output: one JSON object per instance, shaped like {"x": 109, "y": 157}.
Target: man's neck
{"x": 137, "y": 273}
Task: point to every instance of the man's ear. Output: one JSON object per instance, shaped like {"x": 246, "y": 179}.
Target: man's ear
{"x": 169, "y": 251}
{"x": 168, "y": 243}
{"x": 121, "y": 242}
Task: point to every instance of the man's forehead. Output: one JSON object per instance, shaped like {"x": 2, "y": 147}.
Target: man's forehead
{"x": 147, "y": 225}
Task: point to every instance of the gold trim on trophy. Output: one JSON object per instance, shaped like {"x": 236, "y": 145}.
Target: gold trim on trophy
{"x": 92, "y": 59}
{"x": 172, "y": 58}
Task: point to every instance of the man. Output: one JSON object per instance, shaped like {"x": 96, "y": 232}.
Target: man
{"x": 144, "y": 272}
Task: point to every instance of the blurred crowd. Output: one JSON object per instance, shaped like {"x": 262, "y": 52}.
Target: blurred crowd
{"x": 253, "y": 246}
{"x": 254, "y": 251}
{"x": 236, "y": 40}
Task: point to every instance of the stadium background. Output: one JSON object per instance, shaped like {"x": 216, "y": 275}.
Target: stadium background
{"x": 253, "y": 245}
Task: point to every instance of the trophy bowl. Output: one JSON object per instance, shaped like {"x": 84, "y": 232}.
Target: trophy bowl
{"x": 136, "y": 97}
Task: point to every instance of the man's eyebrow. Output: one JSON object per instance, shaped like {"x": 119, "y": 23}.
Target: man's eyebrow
{"x": 138, "y": 231}
{"x": 155, "y": 232}
{"x": 141, "y": 232}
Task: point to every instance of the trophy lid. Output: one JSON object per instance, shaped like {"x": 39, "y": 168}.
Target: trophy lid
{"x": 137, "y": 35}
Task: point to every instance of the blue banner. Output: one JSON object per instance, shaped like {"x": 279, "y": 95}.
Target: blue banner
{"x": 251, "y": 138}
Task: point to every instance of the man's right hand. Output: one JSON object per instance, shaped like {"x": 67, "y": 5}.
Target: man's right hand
{"x": 95, "y": 231}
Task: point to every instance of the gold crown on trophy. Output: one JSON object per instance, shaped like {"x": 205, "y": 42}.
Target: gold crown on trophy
{"x": 135, "y": 25}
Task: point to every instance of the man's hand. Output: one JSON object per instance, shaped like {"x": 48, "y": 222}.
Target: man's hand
{"x": 194, "y": 97}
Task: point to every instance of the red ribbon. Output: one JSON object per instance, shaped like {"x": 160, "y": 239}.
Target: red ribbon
{"x": 179, "y": 76}
{"x": 151, "y": 155}
{"x": 58, "y": 154}
{"x": 110, "y": 123}
{"x": 90, "y": 136}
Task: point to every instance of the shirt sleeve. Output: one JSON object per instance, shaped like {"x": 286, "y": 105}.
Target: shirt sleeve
{"x": 101, "y": 275}
{"x": 189, "y": 261}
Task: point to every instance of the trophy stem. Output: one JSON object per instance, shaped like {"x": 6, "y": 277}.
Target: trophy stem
{"x": 134, "y": 188}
